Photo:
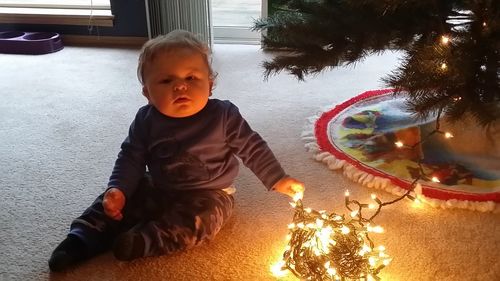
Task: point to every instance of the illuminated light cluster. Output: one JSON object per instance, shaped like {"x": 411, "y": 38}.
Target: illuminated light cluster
{"x": 324, "y": 246}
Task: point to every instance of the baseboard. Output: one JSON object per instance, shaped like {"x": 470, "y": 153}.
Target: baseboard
{"x": 236, "y": 35}
{"x": 90, "y": 40}
{"x": 238, "y": 41}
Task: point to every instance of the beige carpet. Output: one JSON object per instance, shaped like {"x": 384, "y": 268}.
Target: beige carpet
{"x": 64, "y": 115}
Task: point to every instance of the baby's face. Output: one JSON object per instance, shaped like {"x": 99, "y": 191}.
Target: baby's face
{"x": 177, "y": 82}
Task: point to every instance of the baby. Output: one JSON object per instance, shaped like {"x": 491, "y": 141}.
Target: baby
{"x": 189, "y": 144}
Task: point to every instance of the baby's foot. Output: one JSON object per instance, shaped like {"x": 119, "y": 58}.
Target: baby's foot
{"x": 71, "y": 251}
{"x": 129, "y": 246}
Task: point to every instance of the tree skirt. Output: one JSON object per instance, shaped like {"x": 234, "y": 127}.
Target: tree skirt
{"x": 359, "y": 135}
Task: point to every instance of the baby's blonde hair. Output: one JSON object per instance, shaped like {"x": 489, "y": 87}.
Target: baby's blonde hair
{"x": 174, "y": 39}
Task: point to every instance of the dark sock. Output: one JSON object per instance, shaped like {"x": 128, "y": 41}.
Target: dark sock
{"x": 69, "y": 252}
{"x": 129, "y": 246}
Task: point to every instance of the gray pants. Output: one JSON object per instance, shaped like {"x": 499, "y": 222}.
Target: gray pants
{"x": 169, "y": 221}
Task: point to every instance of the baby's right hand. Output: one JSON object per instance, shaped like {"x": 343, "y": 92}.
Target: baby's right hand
{"x": 291, "y": 187}
{"x": 113, "y": 203}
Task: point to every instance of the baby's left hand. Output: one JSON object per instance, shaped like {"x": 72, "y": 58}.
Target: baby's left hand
{"x": 290, "y": 187}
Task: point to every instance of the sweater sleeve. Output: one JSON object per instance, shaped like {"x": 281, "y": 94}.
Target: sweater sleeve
{"x": 249, "y": 146}
{"x": 130, "y": 164}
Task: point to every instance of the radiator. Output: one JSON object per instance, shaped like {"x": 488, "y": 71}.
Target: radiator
{"x": 164, "y": 16}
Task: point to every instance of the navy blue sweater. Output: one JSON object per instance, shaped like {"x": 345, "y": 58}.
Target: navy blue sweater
{"x": 195, "y": 152}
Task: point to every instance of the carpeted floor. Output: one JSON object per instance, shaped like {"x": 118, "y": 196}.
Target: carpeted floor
{"x": 64, "y": 115}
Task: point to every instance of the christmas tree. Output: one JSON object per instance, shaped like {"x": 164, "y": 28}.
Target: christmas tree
{"x": 451, "y": 49}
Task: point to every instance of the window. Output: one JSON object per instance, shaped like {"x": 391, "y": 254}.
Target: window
{"x": 232, "y": 20}
{"x": 77, "y": 12}
{"x": 76, "y": 4}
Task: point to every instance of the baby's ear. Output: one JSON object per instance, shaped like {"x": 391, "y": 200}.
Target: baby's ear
{"x": 211, "y": 85}
{"x": 145, "y": 92}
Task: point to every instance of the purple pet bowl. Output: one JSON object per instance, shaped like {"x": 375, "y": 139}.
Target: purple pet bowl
{"x": 32, "y": 43}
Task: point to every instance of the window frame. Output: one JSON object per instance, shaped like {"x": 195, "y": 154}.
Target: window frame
{"x": 77, "y": 12}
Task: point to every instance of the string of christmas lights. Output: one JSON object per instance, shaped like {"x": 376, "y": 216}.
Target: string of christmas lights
{"x": 323, "y": 246}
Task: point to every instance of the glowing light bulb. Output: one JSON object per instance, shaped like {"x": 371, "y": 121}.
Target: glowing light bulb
{"x": 345, "y": 229}
{"x": 399, "y": 144}
{"x": 278, "y": 269}
{"x": 308, "y": 210}
{"x": 298, "y": 196}
{"x": 373, "y": 196}
{"x": 366, "y": 248}
{"x": 331, "y": 271}
{"x": 371, "y": 206}
{"x": 484, "y": 24}
{"x": 448, "y": 135}
{"x": 417, "y": 203}
{"x": 346, "y": 193}
{"x": 377, "y": 229}
{"x": 444, "y": 66}
{"x": 435, "y": 179}
{"x": 445, "y": 39}
{"x": 354, "y": 213}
